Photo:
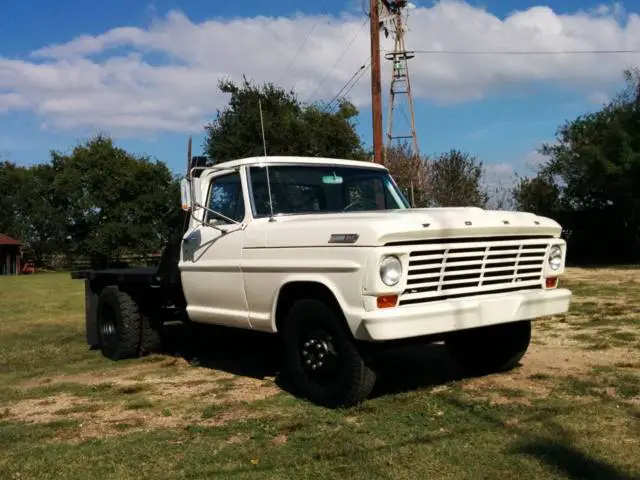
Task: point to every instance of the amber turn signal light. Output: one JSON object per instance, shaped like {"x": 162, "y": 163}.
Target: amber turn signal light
{"x": 552, "y": 282}
{"x": 387, "y": 301}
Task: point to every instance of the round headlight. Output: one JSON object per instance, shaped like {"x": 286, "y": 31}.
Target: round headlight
{"x": 555, "y": 257}
{"x": 390, "y": 271}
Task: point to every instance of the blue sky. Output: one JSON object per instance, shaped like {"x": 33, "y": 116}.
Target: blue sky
{"x": 69, "y": 69}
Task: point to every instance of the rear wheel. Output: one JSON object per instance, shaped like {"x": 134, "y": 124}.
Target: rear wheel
{"x": 490, "y": 349}
{"x": 150, "y": 336}
{"x": 322, "y": 361}
{"x": 119, "y": 324}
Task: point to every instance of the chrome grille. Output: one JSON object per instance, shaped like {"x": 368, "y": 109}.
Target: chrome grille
{"x": 473, "y": 267}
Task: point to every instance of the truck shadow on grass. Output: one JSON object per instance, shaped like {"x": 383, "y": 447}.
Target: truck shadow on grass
{"x": 259, "y": 356}
{"x": 540, "y": 437}
{"x": 555, "y": 448}
{"x": 238, "y": 352}
{"x": 574, "y": 463}
{"x": 404, "y": 369}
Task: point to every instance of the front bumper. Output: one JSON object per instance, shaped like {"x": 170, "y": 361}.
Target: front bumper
{"x": 459, "y": 314}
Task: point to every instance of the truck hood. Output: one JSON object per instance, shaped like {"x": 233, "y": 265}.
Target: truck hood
{"x": 381, "y": 227}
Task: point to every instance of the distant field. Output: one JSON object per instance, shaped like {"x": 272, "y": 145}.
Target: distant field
{"x": 571, "y": 411}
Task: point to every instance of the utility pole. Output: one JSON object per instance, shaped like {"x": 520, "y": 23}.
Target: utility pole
{"x": 400, "y": 85}
{"x": 189, "y": 143}
{"x": 376, "y": 88}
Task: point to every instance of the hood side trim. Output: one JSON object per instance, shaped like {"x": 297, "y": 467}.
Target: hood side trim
{"x": 478, "y": 238}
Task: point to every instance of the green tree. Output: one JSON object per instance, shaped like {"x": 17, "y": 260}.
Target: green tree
{"x": 408, "y": 171}
{"x": 591, "y": 182}
{"x": 115, "y": 202}
{"x": 44, "y": 209}
{"x": 12, "y": 178}
{"x": 454, "y": 179}
{"x": 290, "y": 127}
{"x": 32, "y": 209}
{"x": 539, "y": 194}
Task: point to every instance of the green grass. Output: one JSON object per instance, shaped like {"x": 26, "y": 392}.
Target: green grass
{"x": 158, "y": 417}
{"x": 139, "y": 404}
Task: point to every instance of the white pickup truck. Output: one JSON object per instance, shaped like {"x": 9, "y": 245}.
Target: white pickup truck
{"x": 327, "y": 254}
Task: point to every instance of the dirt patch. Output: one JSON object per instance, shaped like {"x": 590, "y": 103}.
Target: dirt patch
{"x": 121, "y": 375}
{"x": 141, "y": 397}
{"x": 541, "y": 367}
{"x": 53, "y": 409}
{"x": 558, "y": 356}
{"x": 246, "y": 389}
{"x": 97, "y": 419}
{"x": 280, "y": 439}
{"x": 603, "y": 275}
{"x": 607, "y": 391}
{"x": 238, "y": 438}
{"x": 93, "y": 418}
{"x": 184, "y": 382}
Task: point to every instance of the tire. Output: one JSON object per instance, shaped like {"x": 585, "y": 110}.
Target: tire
{"x": 150, "y": 337}
{"x": 485, "y": 350}
{"x": 119, "y": 324}
{"x": 313, "y": 334}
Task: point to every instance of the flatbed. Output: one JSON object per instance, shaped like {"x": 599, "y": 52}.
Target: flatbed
{"x": 147, "y": 275}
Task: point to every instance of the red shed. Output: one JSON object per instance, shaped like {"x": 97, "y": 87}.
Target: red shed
{"x": 9, "y": 255}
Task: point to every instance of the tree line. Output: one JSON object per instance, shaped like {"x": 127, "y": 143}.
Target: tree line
{"x": 591, "y": 180}
{"x": 98, "y": 201}
{"x": 102, "y": 202}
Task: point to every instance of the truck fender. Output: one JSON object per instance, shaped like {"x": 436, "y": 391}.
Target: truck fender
{"x": 320, "y": 281}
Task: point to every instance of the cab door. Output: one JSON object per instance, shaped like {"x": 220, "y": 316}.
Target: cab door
{"x": 210, "y": 263}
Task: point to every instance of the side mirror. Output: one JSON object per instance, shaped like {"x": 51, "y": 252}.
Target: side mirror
{"x": 185, "y": 194}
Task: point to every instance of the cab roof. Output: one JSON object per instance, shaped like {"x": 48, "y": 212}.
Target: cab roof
{"x": 269, "y": 160}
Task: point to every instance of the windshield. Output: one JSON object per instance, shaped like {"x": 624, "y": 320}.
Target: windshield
{"x": 323, "y": 189}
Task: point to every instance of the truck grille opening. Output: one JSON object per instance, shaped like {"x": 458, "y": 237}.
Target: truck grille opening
{"x": 448, "y": 268}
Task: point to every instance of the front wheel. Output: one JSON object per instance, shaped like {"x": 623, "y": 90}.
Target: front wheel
{"x": 490, "y": 349}
{"x": 321, "y": 360}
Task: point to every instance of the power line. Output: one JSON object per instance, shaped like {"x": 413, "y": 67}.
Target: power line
{"x": 304, "y": 42}
{"x": 344, "y": 51}
{"x": 356, "y": 76}
{"x": 362, "y": 72}
{"x": 521, "y": 52}
{"x": 331, "y": 108}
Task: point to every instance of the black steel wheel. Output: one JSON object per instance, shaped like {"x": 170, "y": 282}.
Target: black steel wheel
{"x": 119, "y": 324}
{"x": 108, "y": 327}
{"x": 495, "y": 348}
{"x": 322, "y": 361}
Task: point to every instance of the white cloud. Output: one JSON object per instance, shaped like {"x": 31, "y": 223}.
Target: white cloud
{"x": 498, "y": 174}
{"x": 534, "y": 160}
{"x": 500, "y": 168}
{"x": 505, "y": 174}
{"x": 11, "y": 101}
{"x": 167, "y": 78}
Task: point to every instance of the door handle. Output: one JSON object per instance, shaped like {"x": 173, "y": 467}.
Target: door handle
{"x": 191, "y": 238}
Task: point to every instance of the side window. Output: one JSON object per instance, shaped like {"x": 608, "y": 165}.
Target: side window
{"x": 225, "y": 197}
